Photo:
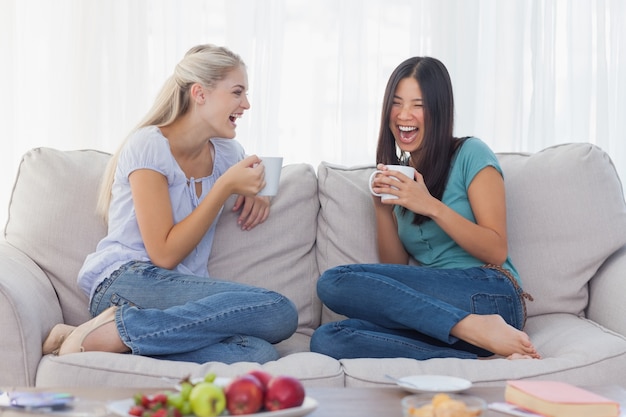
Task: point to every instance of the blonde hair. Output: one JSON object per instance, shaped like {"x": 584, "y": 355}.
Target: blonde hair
{"x": 203, "y": 64}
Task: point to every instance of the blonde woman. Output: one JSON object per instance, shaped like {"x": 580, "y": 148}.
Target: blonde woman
{"x": 148, "y": 283}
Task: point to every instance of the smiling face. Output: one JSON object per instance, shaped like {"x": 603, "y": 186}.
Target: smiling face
{"x": 225, "y": 103}
{"x": 406, "y": 118}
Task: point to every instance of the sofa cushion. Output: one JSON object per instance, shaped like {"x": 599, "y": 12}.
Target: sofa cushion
{"x": 102, "y": 369}
{"x": 278, "y": 254}
{"x": 573, "y": 349}
{"x": 565, "y": 210}
{"x": 346, "y": 225}
{"x": 566, "y": 216}
{"x": 52, "y": 218}
{"x": 346, "y": 228}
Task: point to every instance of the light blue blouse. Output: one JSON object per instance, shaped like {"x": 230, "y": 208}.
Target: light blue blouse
{"x": 428, "y": 243}
{"x": 147, "y": 148}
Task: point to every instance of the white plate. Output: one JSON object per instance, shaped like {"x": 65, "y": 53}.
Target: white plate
{"x": 121, "y": 408}
{"x": 433, "y": 383}
{"x": 507, "y": 408}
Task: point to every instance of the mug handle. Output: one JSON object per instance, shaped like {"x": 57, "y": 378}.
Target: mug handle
{"x": 369, "y": 183}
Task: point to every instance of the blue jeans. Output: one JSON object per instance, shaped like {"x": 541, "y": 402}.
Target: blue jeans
{"x": 168, "y": 315}
{"x": 408, "y": 311}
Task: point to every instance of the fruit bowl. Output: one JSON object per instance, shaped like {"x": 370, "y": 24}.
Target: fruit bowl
{"x": 457, "y": 405}
{"x": 121, "y": 408}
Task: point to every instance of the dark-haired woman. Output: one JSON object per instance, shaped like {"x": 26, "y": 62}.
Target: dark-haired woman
{"x": 445, "y": 286}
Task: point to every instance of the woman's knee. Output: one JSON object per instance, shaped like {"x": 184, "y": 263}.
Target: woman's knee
{"x": 280, "y": 321}
{"x": 322, "y": 338}
{"x": 260, "y": 350}
{"x": 316, "y": 343}
{"x": 290, "y": 316}
{"x": 245, "y": 348}
{"x": 328, "y": 283}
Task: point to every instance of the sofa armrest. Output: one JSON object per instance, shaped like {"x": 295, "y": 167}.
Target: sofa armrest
{"x": 607, "y": 294}
{"x": 29, "y": 307}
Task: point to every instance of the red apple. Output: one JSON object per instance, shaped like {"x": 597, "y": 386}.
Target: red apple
{"x": 262, "y": 376}
{"x": 244, "y": 395}
{"x": 283, "y": 392}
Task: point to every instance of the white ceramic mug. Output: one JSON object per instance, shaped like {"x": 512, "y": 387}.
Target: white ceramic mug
{"x": 273, "y": 167}
{"x": 406, "y": 170}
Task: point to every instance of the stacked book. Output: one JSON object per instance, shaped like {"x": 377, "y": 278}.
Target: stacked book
{"x": 558, "y": 399}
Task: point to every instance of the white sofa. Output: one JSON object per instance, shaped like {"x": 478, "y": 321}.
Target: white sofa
{"x": 567, "y": 230}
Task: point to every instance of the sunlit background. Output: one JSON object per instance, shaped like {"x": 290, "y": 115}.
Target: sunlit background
{"x": 527, "y": 74}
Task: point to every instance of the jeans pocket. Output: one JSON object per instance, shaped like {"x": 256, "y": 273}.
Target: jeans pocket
{"x": 118, "y": 300}
{"x": 503, "y": 305}
{"x": 96, "y": 305}
{"x": 104, "y": 299}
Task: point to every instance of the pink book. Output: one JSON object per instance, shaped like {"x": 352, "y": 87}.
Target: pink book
{"x": 559, "y": 399}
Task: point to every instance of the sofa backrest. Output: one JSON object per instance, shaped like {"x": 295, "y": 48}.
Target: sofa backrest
{"x": 565, "y": 209}
{"x": 52, "y": 219}
{"x": 566, "y": 216}
{"x": 280, "y": 253}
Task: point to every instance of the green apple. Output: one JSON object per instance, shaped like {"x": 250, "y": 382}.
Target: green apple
{"x": 186, "y": 409}
{"x": 185, "y": 389}
{"x": 175, "y": 400}
{"x": 207, "y": 399}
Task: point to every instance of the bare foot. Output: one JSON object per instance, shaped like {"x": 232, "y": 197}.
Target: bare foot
{"x": 516, "y": 356}
{"x": 492, "y": 333}
{"x": 512, "y": 357}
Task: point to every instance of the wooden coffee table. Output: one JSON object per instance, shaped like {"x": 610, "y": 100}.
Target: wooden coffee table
{"x": 332, "y": 402}
{"x": 385, "y": 402}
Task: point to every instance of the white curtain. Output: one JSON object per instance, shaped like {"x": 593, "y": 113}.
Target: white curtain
{"x": 527, "y": 74}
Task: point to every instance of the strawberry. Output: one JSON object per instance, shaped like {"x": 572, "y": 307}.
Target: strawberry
{"x": 160, "y": 413}
{"x": 144, "y": 401}
{"x": 136, "y": 410}
{"x": 160, "y": 398}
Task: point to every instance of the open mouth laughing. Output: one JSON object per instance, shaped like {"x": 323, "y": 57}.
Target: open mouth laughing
{"x": 234, "y": 116}
{"x": 407, "y": 133}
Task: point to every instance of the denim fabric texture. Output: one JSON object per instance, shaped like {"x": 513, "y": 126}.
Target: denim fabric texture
{"x": 408, "y": 311}
{"x": 168, "y": 315}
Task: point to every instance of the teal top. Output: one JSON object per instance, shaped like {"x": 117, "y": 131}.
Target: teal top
{"x": 428, "y": 243}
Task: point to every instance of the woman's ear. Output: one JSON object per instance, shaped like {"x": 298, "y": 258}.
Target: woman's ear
{"x": 197, "y": 93}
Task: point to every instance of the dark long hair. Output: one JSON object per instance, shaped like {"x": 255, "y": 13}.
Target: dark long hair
{"x": 433, "y": 157}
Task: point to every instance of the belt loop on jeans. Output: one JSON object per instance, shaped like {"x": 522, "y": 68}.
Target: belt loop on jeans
{"x": 523, "y": 296}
